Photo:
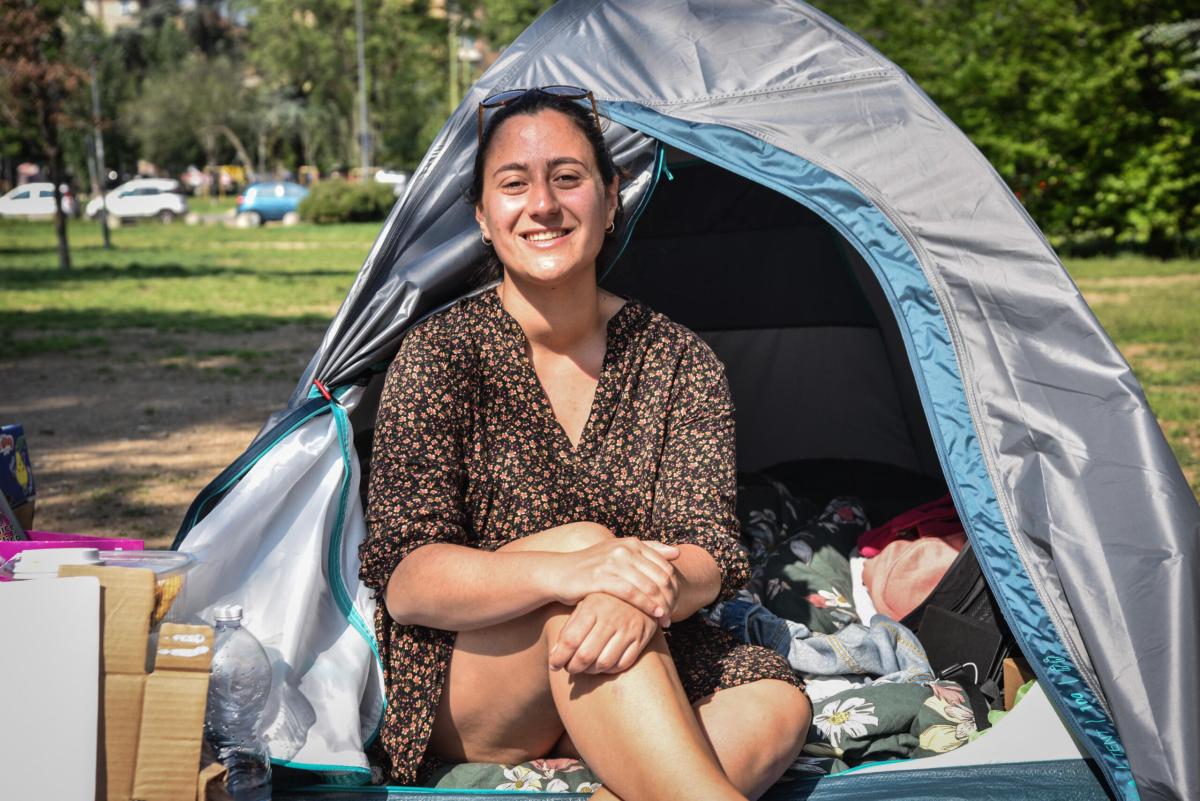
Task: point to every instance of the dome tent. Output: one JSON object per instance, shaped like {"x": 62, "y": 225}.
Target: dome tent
{"x": 875, "y": 291}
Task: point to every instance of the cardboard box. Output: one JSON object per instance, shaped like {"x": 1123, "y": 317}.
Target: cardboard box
{"x": 172, "y": 731}
{"x": 1016, "y": 673}
{"x": 153, "y": 722}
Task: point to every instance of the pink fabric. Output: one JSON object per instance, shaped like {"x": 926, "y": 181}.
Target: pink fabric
{"x": 906, "y": 571}
{"x": 934, "y": 519}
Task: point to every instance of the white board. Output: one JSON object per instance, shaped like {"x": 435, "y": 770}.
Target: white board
{"x": 50, "y": 680}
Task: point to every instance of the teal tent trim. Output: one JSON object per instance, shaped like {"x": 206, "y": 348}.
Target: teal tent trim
{"x": 345, "y": 774}
{"x": 1069, "y": 780}
{"x": 934, "y": 364}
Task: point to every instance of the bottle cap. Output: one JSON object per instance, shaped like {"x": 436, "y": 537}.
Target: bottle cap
{"x": 228, "y": 613}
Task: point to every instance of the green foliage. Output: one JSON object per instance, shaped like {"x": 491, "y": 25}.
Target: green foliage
{"x": 341, "y": 202}
{"x": 504, "y": 20}
{"x": 307, "y": 50}
{"x": 37, "y": 81}
{"x": 1077, "y": 106}
{"x": 162, "y": 40}
{"x": 268, "y": 83}
{"x": 190, "y": 110}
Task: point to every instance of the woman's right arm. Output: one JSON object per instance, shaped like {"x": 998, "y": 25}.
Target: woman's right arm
{"x": 456, "y": 588}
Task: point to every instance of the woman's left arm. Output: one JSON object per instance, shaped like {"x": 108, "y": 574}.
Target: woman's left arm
{"x": 696, "y": 489}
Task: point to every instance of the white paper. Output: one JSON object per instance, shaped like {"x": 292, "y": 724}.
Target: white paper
{"x": 50, "y": 680}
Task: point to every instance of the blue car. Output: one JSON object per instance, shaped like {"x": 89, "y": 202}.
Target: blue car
{"x": 269, "y": 200}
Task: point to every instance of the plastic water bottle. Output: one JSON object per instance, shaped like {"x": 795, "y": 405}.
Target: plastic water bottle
{"x": 237, "y": 694}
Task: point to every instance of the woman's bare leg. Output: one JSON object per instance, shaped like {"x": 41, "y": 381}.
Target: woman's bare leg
{"x": 501, "y": 703}
{"x": 638, "y": 732}
{"x": 635, "y": 729}
{"x": 756, "y": 730}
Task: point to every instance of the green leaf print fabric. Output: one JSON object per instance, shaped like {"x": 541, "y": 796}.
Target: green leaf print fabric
{"x": 890, "y": 721}
{"x": 806, "y": 578}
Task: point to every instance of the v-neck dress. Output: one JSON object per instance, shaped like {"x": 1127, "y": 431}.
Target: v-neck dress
{"x": 468, "y": 451}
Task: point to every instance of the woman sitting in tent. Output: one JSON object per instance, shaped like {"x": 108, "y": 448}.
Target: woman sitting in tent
{"x": 552, "y": 500}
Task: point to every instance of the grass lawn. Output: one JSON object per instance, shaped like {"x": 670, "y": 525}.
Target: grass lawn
{"x": 175, "y": 279}
{"x": 172, "y": 278}
{"x": 212, "y": 205}
{"x": 1151, "y": 309}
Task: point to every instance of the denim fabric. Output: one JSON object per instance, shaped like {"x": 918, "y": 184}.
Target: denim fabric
{"x": 755, "y": 624}
{"x": 885, "y": 650}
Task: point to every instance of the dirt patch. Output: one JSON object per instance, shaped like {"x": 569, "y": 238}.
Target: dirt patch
{"x": 1147, "y": 357}
{"x": 123, "y": 437}
{"x": 1132, "y": 281}
{"x": 1119, "y": 290}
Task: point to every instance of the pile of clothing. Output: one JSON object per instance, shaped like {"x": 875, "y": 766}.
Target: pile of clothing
{"x": 829, "y": 593}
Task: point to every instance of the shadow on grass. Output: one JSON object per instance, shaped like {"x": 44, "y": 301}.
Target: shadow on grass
{"x": 89, "y": 320}
{"x": 31, "y": 251}
{"x": 46, "y": 277}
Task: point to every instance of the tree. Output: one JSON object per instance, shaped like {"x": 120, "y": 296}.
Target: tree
{"x": 1185, "y": 37}
{"x": 36, "y": 83}
{"x": 305, "y": 50}
{"x": 504, "y": 20}
{"x": 1069, "y": 102}
{"x": 200, "y": 104}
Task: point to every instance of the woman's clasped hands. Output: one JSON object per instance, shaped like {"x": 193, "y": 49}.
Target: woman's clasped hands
{"x": 622, "y": 591}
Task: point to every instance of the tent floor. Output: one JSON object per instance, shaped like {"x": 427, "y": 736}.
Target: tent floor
{"x": 1065, "y": 780}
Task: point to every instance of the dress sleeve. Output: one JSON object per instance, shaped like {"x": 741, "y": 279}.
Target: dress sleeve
{"x": 416, "y": 486}
{"x": 695, "y": 493}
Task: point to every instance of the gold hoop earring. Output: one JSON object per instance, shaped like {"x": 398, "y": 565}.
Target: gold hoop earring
{"x": 612, "y": 226}
{"x": 487, "y": 242}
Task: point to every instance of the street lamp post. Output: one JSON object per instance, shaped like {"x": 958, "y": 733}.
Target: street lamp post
{"x": 364, "y": 134}
{"x": 452, "y": 52}
{"x": 98, "y": 142}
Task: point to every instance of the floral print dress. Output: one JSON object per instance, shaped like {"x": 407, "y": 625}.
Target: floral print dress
{"x": 468, "y": 451}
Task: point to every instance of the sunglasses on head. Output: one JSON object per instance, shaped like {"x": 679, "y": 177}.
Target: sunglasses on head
{"x": 505, "y": 98}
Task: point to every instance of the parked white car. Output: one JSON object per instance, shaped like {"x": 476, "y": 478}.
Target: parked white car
{"x": 34, "y": 200}
{"x": 141, "y": 198}
{"x": 398, "y": 179}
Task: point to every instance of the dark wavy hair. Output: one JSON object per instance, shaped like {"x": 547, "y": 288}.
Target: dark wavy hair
{"x": 531, "y": 103}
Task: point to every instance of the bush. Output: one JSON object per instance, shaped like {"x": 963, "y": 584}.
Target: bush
{"x": 339, "y": 202}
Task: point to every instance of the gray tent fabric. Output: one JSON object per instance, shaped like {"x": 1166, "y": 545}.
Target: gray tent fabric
{"x": 1103, "y": 524}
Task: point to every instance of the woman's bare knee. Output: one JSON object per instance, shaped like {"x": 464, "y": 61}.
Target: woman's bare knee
{"x": 795, "y": 711}
{"x": 757, "y": 729}
{"x": 784, "y": 713}
{"x": 496, "y": 704}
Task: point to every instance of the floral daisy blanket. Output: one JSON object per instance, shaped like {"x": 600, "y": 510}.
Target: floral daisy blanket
{"x": 540, "y": 775}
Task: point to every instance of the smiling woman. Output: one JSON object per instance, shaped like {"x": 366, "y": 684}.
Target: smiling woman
{"x": 551, "y": 502}
{"x": 582, "y": 135}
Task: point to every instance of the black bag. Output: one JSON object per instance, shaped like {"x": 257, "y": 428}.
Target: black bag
{"x": 964, "y": 633}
